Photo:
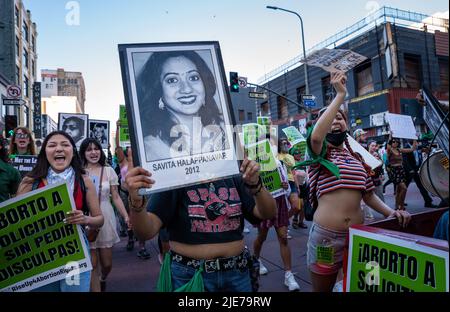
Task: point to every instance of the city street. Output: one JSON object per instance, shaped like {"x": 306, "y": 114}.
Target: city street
{"x": 131, "y": 274}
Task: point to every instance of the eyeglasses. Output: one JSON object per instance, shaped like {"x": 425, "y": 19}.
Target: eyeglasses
{"x": 394, "y": 141}
{"x": 21, "y": 135}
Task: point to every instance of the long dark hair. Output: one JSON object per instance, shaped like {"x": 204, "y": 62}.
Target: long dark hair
{"x": 84, "y": 146}
{"x": 40, "y": 171}
{"x": 149, "y": 92}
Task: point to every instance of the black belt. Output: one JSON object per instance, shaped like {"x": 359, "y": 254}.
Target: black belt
{"x": 214, "y": 265}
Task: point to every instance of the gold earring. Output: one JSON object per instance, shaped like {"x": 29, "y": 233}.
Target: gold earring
{"x": 161, "y": 104}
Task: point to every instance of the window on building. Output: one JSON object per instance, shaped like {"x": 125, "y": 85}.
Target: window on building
{"x": 265, "y": 108}
{"x": 300, "y": 91}
{"x": 25, "y": 58}
{"x": 282, "y": 107}
{"x": 26, "y": 86}
{"x": 17, "y": 16}
{"x": 241, "y": 115}
{"x": 327, "y": 91}
{"x": 364, "y": 80}
{"x": 249, "y": 115}
{"x": 413, "y": 74}
{"x": 17, "y": 47}
{"x": 17, "y": 75}
{"x": 26, "y": 31}
{"x": 33, "y": 43}
{"x": 33, "y": 65}
{"x": 443, "y": 74}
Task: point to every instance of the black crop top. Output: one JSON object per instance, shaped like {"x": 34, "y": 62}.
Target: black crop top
{"x": 206, "y": 213}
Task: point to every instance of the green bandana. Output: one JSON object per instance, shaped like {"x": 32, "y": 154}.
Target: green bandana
{"x": 318, "y": 159}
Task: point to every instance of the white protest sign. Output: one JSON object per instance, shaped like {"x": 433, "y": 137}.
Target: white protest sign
{"x": 368, "y": 158}
{"x": 402, "y": 126}
{"x": 333, "y": 60}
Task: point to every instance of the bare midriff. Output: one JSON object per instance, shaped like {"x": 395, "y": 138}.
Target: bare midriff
{"x": 340, "y": 209}
{"x": 208, "y": 251}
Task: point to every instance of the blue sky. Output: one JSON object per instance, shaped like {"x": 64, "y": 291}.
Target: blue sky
{"x": 253, "y": 39}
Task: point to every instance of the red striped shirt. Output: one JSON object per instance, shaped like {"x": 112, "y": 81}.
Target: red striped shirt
{"x": 352, "y": 172}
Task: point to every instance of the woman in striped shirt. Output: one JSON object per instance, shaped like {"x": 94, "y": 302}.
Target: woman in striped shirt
{"x": 339, "y": 180}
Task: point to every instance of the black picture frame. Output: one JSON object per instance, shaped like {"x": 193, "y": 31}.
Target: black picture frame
{"x": 99, "y": 129}
{"x": 77, "y": 118}
{"x": 193, "y": 167}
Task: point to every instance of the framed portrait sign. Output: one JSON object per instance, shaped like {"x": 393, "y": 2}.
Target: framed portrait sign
{"x": 99, "y": 129}
{"x": 179, "y": 112}
{"x": 75, "y": 125}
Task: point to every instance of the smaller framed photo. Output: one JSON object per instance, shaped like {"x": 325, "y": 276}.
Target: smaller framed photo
{"x": 99, "y": 130}
{"x": 75, "y": 125}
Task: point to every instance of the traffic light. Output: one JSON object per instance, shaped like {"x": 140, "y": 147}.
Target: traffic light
{"x": 234, "y": 82}
{"x": 10, "y": 125}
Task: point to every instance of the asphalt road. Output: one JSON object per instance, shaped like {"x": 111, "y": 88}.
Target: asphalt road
{"x": 131, "y": 274}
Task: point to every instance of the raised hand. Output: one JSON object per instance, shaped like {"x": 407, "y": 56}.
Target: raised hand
{"x": 136, "y": 178}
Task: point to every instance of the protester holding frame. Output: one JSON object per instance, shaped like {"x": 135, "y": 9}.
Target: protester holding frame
{"x": 178, "y": 111}
{"x": 58, "y": 161}
{"x": 205, "y": 222}
{"x": 339, "y": 180}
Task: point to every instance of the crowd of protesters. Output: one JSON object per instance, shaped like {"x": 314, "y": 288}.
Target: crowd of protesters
{"x": 331, "y": 179}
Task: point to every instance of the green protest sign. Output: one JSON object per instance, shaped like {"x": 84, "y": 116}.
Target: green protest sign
{"x": 387, "y": 261}
{"x": 272, "y": 182}
{"x": 294, "y": 136}
{"x": 262, "y": 154}
{"x": 123, "y": 116}
{"x": 36, "y": 247}
{"x": 253, "y": 133}
{"x": 264, "y": 121}
{"x": 124, "y": 135}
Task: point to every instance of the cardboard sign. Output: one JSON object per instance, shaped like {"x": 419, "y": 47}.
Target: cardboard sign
{"x": 334, "y": 60}
{"x": 24, "y": 163}
{"x": 36, "y": 247}
{"x": 293, "y": 135}
{"x": 387, "y": 261}
{"x": 368, "y": 158}
{"x": 402, "y": 126}
{"x": 261, "y": 152}
{"x": 272, "y": 182}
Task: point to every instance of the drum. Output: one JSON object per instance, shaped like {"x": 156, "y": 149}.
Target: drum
{"x": 438, "y": 169}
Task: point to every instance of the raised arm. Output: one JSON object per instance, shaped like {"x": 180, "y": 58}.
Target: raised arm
{"x": 338, "y": 80}
{"x": 145, "y": 224}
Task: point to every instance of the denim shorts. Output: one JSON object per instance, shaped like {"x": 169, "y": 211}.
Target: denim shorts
{"x": 235, "y": 280}
{"x": 325, "y": 250}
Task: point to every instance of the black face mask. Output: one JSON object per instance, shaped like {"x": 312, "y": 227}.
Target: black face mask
{"x": 336, "y": 139}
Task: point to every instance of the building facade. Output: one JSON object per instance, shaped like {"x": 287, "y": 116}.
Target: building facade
{"x": 402, "y": 53}
{"x": 63, "y": 83}
{"x": 18, "y": 57}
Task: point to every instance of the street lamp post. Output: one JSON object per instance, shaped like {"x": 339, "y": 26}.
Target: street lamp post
{"x": 303, "y": 42}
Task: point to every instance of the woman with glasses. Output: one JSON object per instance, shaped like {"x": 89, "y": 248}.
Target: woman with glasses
{"x": 396, "y": 171}
{"x": 22, "y": 142}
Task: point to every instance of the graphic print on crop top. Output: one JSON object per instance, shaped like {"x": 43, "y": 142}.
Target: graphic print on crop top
{"x": 212, "y": 210}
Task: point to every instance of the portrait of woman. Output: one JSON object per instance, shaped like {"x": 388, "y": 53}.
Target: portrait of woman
{"x": 99, "y": 131}
{"x": 179, "y": 115}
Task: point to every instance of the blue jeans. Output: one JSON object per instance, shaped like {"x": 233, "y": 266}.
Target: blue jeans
{"x": 236, "y": 280}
